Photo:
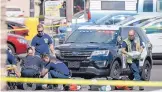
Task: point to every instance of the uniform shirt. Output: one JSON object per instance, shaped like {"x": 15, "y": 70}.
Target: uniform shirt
{"x": 10, "y": 59}
{"x": 41, "y": 43}
{"x": 133, "y": 45}
{"x": 58, "y": 66}
{"x": 32, "y": 62}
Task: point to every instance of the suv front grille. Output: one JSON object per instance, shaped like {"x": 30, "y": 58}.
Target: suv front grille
{"x": 75, "y": 55}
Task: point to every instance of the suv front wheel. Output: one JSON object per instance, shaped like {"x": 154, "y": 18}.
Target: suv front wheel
{"x": 115, "y": 70}
{"x": 146, "y": 71}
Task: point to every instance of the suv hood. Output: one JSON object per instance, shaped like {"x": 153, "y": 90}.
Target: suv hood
{"x": 88, "y": 46}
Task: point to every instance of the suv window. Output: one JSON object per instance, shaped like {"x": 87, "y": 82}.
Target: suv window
{"x": 159, "y": 5}
{"x": 137, "y": 22}
{"x": 155, "y": 28}
{"x": 111, "y": 5}
{"x": 148, "y": 6}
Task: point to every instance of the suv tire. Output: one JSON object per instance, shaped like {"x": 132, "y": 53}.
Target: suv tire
{"x": 115, "y": 70}
{"x": 146, "y": 71}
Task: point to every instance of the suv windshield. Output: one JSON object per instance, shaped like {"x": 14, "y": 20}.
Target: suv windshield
{"x": 93, "y": 36}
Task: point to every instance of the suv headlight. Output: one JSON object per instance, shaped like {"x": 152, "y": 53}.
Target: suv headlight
{"x": 57, "y": 52}
{"x": 23, "y": 41}
{"x": 100, "y": 52}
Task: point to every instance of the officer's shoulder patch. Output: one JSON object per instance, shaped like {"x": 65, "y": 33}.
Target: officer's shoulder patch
{"x": 46, "y": 40}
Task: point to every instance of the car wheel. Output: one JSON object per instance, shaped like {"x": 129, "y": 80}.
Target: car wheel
{"x": 146, "y": 71}
{"x": 115, "y": 70}
{"x": 11, "y": 48}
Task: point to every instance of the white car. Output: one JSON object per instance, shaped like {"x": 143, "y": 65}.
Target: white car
{"x": 155, "y": 39}
{"x": 137, "y": 19}
{"x": 12, "y": 11}
{"x": 14, "y": 14}
{"x": 153, "y": 29}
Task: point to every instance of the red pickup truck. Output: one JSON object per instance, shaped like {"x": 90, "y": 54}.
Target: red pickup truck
{"x": 17, "y": 44}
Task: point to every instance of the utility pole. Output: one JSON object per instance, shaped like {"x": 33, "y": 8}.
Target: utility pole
{"x": 31, "y": 8}
{"x": 69, "y": 10}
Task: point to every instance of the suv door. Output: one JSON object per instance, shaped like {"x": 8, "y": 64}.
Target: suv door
{"x": 154, "y": 33}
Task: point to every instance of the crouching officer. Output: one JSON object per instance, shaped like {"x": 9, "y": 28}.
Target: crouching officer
{"x": 31, "y": 65}
{"x": 55, "y": 68}
{"x": 132, "y": 44}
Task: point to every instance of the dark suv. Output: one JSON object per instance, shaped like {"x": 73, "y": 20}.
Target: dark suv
{"x": 95, "y": 51}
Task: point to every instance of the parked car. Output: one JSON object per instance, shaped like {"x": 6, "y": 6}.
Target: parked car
{"x": 15, "y": 14}
{"x": 137, "y": 19}
{"x": 103, "y": 42}
{"x": 17, "y": 28}
{"x": 17, "y": 44}
{"x": 153, "y": 29}
{"x": 108, "y": 19}
{"x": 13, "y": 11}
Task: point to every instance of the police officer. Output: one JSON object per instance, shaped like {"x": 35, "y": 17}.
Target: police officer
{"x": 11, "y": 63}
{"x": 42, "y": 42}
{"x": 32, "y": 65}
{"x": 133, "y": 44}
{"x": 55, "y": 68}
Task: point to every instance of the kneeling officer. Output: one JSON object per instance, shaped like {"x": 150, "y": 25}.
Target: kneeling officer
{"x": 32, "y": 65}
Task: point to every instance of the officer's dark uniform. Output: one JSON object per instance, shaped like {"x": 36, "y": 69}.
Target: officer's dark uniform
{"x": 10, "y": 59}
{"x": 58, "y": 69}
{"x": 31, "y": 66}
{"x": 41, "y": 43}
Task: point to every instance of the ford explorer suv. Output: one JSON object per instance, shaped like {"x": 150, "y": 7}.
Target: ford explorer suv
{"x": 103, "y": 42}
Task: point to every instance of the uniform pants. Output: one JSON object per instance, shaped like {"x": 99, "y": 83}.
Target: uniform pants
{"x": 55, "y": 74}
{"x": 134, "y": 67}
{"x": 29, "y": 73}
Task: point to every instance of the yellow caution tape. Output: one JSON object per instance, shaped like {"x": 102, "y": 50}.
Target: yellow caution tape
{"x": 20, "y": 29}
{"x": 10, "y": 68}
{"x": 41, "y": 16}
{"x": 55, "y": 26}
{"x": 84, "y": 82}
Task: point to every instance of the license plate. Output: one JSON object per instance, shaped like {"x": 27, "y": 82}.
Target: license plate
{"x": 73, "y": 64}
